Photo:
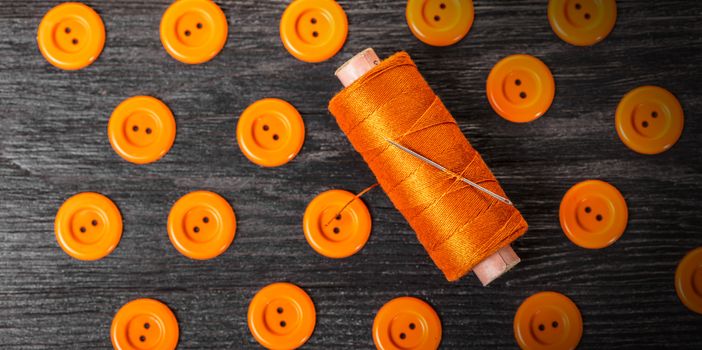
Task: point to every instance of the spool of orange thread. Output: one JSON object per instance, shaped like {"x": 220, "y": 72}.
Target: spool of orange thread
{"x": 461, "y": 228}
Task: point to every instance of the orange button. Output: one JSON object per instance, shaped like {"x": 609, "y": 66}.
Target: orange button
{"x": 593, "y": 214}
{"x": 193, "y": 31}
{"x": 406, "y": 323}
{"x": 201, "y": 225}
{"x": 88, "y": 226}
{"x": 548, "y": 320}
{"x": 141, "y": 129}
{"x": 270, "y": 132}
{"x": 71, "y": 36}
{"x": 336, "y": 236}
{"x": 144, "y": 324}
{"x": 582, "y": 22}
{"x": 649, "y": 120}
{"x": 688, "y": 280}
{"x": 313, "y": 30}
{"x": 520, "y": 88}
{"x": 281, "y": 316}
{"x": 440, "y": 22}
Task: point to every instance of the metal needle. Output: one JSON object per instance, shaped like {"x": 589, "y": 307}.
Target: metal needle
{"x": 436, "y": 165}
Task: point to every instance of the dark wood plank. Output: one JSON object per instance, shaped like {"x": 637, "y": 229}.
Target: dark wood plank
{"x": 53, "y": 144}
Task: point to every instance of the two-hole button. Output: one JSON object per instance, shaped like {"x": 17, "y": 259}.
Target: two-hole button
{"x": 144, "y": 324}
{"x": 593, "y": 214}
{"x": 88, "y": 226}
{"x": 336, "y": 224}
{"x": 193, "y": 31}
{"x": 281, "y": 316}
{"x": 201, "y": 225}
{"x": 270, "y": 132}
{"x": 520, "y": 88}
{"x": 407, "y": 323}
{"x": 141, "y": 129}
{"x": 71, "y": 36}
{"x": 582, "y": 22}
{"x": 649, "y": 120}
{"x": 688, "y": 280}
{"x": 548, "y": 321}
{"x": 313, "y": 30}
{"x": 439, "y": 22}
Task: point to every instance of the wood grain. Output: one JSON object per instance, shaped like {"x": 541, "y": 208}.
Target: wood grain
{"x": 53, "y": 144}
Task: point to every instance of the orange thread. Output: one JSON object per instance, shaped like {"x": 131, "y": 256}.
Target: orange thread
{"x": 366, "y": 190}
{"x": 458, "y": 225}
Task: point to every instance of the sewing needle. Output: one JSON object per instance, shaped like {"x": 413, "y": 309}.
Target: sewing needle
{"x": 437, "y": 166}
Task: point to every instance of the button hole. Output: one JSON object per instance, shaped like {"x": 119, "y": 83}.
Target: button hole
{"x": 442, "y": 6}
{"x": 315, "y": 34}
{"x": 275, "y": 137}
{"x": 598, "y": 217}
{"x": 554, "y": 324}
{"x": 94, "y": 223}
{"x": 437, "y": 18}
{"x": 82, "y": 229}
{"x": 205, "y": 219}
{"x": 282, "y": 323}
{"x": 644, "y": 124}
{"x": 336, "y": 230}
{"x": 147, "y": 325}
{"x": 541, "y": 327}
{"x": 338, "y": 217}
{"x": 654, "y": 114}
{"x": 313, "y": 20}
{"x": 279, "y": 310}
{"x": 142, "y": 338}
{"x": 517, "y": 82}
{"x": 75, "y": 41}
{"x": 522, "y": 95}
{"x": 67, "y": 30}
{"x": 265, "y": 127}
{"x": 577, "y": 6}
{"x": 199, "y": 26}
{"x": 403, "y": 336}
{"x": 187, "y": 33}
{"x": 412, "y": 326}
{"x": 587, "y": 16}
{"x": 148, "y": 130}
{"x": 135, "y": 128}
{"x": 196, "y": 229}
{"x": 588, "y": 210}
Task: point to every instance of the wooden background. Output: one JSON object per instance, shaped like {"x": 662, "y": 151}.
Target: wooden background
{"x": 53, "y": 144}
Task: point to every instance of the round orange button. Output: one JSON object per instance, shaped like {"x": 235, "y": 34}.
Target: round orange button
{"x": 688, "y": 280}
{"x": 548, "y": 321}
{"x": 270, "y": 132}
{"x": 71, "y": 36}
{"x": 313, "y": 30}
{"x": 201, "y": 225}
{"x": 141, "y": 129}
{"x": 332, "y": 235}
{"x": 193, "y": 31}
{"x": 281, "y": 316}
{"x": 440, "y": 22}
{"x": 88, "y": 226}
{"x": 582, "y": 22}
{"x": 649, "y": 120}
{"x": 144, "y": 324}
{"x": 520, "y": 88}
{"x": 593, "y": 214}
{"x": 406, "y": 323}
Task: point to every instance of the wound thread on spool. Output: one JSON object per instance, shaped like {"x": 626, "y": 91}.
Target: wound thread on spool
{"x": 459, "y": 226}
